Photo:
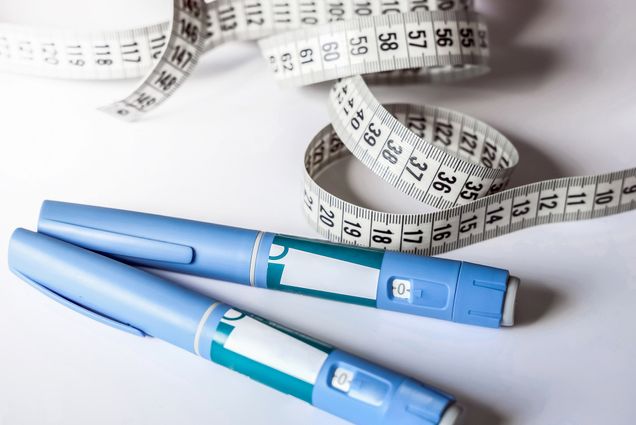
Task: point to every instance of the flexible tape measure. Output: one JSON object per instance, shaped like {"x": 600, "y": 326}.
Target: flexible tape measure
{"x": 167, "y": 53}
{"x": 436, "y": 44}
{"x": 447, "y": 160}
{"x": 442, "y": 158}
{"x": 173, "y": 49}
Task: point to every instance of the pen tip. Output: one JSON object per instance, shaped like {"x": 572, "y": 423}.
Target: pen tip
{"x": 508, "y": 314}
{"x": 452, "y": 415}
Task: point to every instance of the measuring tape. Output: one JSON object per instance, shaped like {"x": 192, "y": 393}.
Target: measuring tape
{"x": 442, "y": 158}
{"x": 168, "y": 53}
{"x": 179, "y": 57}
{"x": 447, "y": 160}
{"x": 172, "y": 52}
{"x": 437, "y": 45}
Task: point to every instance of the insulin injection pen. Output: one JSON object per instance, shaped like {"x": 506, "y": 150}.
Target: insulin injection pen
{"x": 135, "y": 301}
{"x": 425, "y": 286}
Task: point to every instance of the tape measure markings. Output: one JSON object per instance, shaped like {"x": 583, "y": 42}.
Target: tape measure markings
{"x": 440, "y": 157}
{"x": 378, "y": 44}
{"x": 185, "y": 45}
{"x": 171, "y": 55}
{"x": 435, "y": 177}
{"x": 65, "y": 54}
{"x": 566, "y": 199}
{"x": 133, "y": 51}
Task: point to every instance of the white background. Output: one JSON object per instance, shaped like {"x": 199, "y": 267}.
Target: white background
{"x": 228, "y": 148}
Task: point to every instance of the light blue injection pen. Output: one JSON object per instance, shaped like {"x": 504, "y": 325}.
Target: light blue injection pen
{"x": 425, "y": 286}
{"x": 135, "y": 301}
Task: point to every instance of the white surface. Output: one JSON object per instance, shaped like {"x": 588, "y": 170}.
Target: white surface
{"x": 228, "y": 148}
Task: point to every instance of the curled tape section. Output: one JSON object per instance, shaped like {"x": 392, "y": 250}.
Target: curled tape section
{"x": 180, "y": 56}
{"x": 436, "y": 45}
{"x": 169, "y": 52}
{"x": 445, "y": 159}
{"x": 465, "y": 159}
{"x": 94, "y": 56}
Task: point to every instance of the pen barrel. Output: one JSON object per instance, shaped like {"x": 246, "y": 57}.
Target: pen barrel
{"x": 330, "y": 379}
{"x": 320, "y": 269}
{"x": 424, "y": 286}
{"x": 168, "y": 243}
{"x": 104, "y": 288}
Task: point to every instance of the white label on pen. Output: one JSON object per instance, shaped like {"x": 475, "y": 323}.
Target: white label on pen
{"x": 322, "y": 269}
{"x": 272, "y": 347}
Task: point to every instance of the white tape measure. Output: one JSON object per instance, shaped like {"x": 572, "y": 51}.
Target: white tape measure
{"x": 442, "y": 158}
{"x": 437, "y": 44}
{"x": 169, "y": 52}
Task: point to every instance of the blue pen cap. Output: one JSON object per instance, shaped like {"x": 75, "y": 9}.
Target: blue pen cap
{"x": 107, "y": 290}
{"x": 186, "y": 246}
{"x": 447, "y": 289}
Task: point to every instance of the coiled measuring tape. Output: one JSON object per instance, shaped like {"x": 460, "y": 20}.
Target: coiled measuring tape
{"x": 443, "y": 158}
{"x": 168, "y": 53}
{"x": 437, "y": 45}
{"x": 447, "y": 160}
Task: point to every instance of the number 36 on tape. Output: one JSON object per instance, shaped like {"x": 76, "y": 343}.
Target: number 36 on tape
{"x": 444, "y": 159}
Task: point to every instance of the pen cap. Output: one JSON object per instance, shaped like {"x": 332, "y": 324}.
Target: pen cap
{"x": 167, "y": 243}
{"x": 107, "y": 290}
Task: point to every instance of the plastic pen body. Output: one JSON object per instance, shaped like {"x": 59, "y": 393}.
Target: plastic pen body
{"x": 425, "y": 286}
{"x": 143, "y": 304}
